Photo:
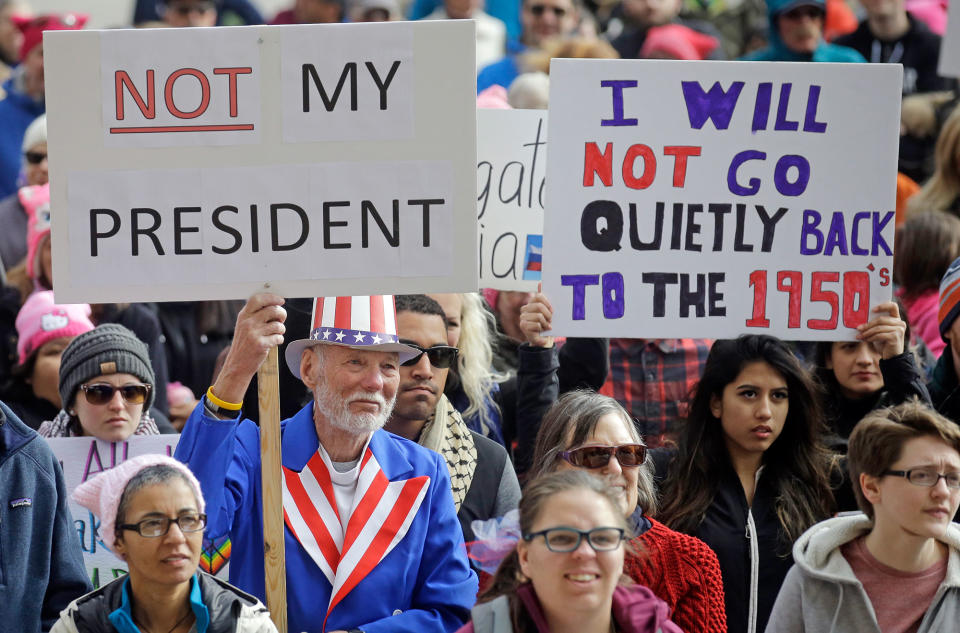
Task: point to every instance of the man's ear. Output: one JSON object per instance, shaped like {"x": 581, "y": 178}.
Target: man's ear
{"x": 308, "y": 370}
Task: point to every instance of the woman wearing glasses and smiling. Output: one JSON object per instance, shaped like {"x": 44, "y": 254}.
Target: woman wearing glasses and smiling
{"x": 106, "y": 387}
{"x": 587, "y": 431}
{"x": 895, "y": 568}
{"x": 151, "y": 513}
{"x": 566, "y": 573}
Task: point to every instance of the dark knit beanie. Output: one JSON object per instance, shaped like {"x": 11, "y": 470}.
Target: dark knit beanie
{"x": 107, "y": 349}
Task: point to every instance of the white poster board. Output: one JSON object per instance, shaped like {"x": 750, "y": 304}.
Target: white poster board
{"x": 511, "y": 166}
{"x": 84, "y": 457}
{"x": 711, "y": 199}
{"x": 950, "y": 46}
{"x": 316, "y": 160}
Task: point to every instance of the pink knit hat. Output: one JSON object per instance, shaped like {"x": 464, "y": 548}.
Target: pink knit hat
{"x": 679, "y": 42}
{"x": 41, "y": 320}
{"x": 101, "y": 494}
{"x": 36, "y": 201}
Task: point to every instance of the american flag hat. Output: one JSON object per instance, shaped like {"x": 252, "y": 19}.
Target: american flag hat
{"x": 368, "y": 323}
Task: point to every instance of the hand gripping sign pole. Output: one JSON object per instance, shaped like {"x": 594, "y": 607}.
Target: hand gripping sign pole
{"x": 274, "y": 562}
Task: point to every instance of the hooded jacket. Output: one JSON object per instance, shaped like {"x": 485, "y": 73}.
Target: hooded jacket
{"x": 777, "y": 51}
{"x": 821, "y": 594}
{"x": 635, "y": 610}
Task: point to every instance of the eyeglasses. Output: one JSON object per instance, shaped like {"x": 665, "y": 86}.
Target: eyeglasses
{"x": 628, "y": 455}
{"x": 159, "y": 526}
{"x": 441, "y": 356}
{"x": 926, "y": 477}
{"x": 539, "y": 9}
{"x": 567, "y": 539}
{"x": 102, "y": 393}
{"x": 35, "y": 158}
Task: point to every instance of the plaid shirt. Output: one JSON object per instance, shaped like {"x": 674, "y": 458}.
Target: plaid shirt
{"x": 653, "y": 378}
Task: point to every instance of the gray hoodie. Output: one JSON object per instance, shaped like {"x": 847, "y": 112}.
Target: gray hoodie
{"x": 822, "y": 595}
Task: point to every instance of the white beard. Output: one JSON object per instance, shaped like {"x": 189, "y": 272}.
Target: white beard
{"x": 337, "y": 410}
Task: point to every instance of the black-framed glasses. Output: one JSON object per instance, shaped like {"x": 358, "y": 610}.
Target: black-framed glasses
{"x": 102, "y": 393}
{"x": 539, "y": 9}
{"x": 440, "y": 356}
{"x": 35, "y": 158}
{"x": 567, "y": 539}
{"x": 185, "y": 9}
{"x": 628, "y": 455}
{"x": 927, "y": 477}
{"x": 152, "y": 527}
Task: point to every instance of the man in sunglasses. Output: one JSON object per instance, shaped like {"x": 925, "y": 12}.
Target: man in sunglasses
{"x": 541, "y": 20}
{"x": 482, "y": 479}
{"x": 371, "y": 536}
{"x": 796, "y": 35}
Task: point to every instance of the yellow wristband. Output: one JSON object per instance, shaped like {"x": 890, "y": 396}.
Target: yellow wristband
{"x": 223, "y": 404}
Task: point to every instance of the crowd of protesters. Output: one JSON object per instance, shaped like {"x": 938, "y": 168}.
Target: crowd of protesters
{"x": 450, "y": 466}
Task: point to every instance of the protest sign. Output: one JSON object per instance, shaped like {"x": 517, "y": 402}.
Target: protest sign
{"x": 511, "y": 164}
{"x": 950, "y": 46}
{"x": 85, "y": 457}
{"x": 710, "y": 199}
{"x": 312, "y": 160}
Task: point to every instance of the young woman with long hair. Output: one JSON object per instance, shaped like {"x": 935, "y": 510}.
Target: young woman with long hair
{"x": 750, "y": 473}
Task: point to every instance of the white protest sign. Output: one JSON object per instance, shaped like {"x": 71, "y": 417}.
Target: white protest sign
{"x": 511, "y": 165}
{"x": 711, "y": 199}
{"x": 950, "y": 46}
{"x": 85, "y": 457}
{"x": 311, "y": 160}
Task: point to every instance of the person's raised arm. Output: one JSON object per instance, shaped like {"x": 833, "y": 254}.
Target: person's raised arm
{"x": 223, "y": 453}
{"x": 887, "y": 332}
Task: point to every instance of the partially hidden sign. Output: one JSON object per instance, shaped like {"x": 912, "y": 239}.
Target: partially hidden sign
{"x": 84, "y": 457}
{"x": 511, "y": 167}
{"x": 950, "y": 46}
{"x": 712, "y": 199}
{"x": 311, "y": 160}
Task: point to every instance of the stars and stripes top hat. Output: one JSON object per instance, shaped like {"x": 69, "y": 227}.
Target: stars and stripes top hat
{"x": 368, "y": 323}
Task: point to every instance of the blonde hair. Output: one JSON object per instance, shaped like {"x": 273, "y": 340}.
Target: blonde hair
{"x": 944, "y": 186}
{"x": 476, "y": 356}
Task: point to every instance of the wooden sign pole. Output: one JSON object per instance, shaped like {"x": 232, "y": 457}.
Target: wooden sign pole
{"x": 268, "y": 384}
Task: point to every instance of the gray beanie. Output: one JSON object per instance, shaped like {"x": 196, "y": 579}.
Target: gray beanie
{"x": 106, "y": 349}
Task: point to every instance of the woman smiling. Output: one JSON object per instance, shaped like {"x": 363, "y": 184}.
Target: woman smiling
{"x": 566, "y": 573}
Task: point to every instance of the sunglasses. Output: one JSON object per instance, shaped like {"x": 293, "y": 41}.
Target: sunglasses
{"x": 629, "y": 455}
{"x": 539, "y": 9}
{"x": 440, "y": 356}
{"x": 35, "y": 158}
{"x": 102, "y": 393}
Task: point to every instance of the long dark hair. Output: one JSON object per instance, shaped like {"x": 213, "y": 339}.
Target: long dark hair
{"x": 797, "y": 462}
{"x": 508, "y": 577}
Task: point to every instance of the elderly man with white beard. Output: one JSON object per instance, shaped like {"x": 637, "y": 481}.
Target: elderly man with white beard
{"x": 371, "y": 534}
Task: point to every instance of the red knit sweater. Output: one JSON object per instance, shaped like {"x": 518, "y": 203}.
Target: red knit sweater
{"x": 682, "y": 571}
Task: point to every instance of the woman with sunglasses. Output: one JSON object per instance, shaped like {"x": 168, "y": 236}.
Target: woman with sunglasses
{"x": 106, "y": 387}
{"x": 566, "y": 572}
{"x": 750, "y": 473}
{"x": 587, "y": 431}
{"x": 151, "y": 516}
